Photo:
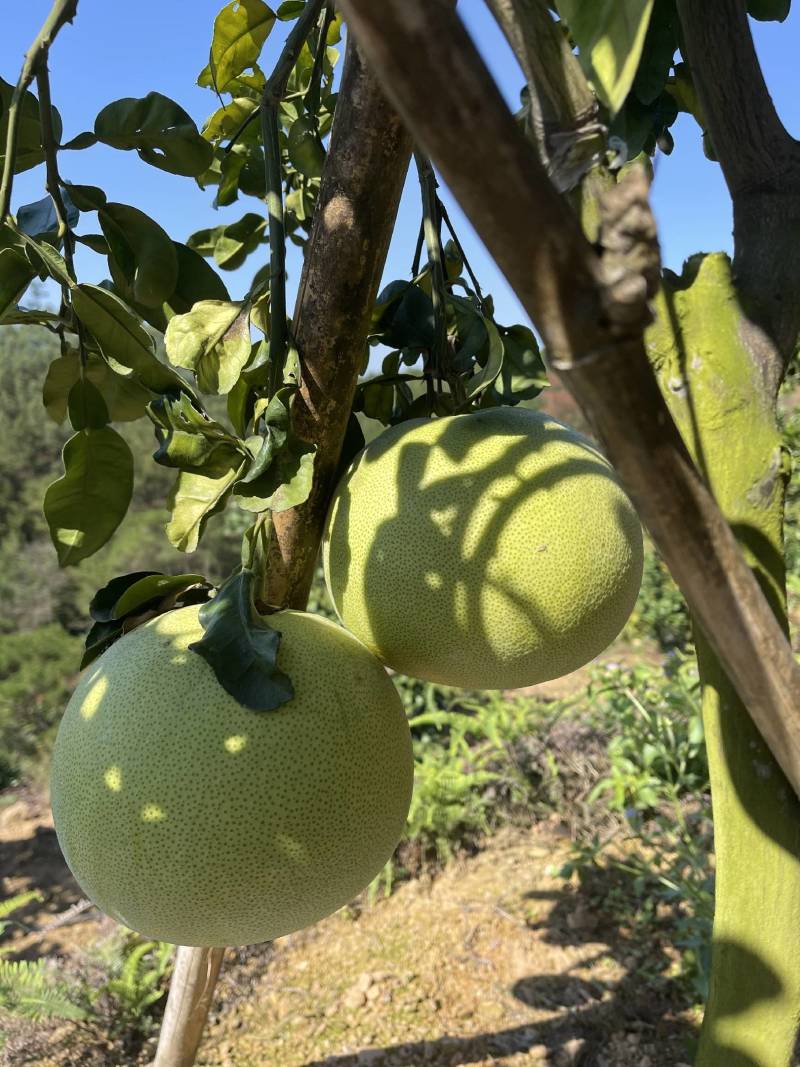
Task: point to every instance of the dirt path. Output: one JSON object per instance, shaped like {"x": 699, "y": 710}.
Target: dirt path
{"x": 494, "y": 962}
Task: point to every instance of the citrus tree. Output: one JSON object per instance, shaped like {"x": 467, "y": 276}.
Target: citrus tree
{"x": 259, "y": 412}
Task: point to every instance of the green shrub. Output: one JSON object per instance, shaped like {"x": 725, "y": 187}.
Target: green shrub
{"x": 660, "y": 613}
{"x": 656, "y": 789}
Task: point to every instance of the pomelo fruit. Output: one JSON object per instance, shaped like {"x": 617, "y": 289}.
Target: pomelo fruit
{"x": 192, "y": 819}
{"x": 491, "y": 550}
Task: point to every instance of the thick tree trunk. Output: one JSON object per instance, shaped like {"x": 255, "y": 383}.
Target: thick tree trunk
{"x": 367, "y": 161}
{"x": 726, "y": 415}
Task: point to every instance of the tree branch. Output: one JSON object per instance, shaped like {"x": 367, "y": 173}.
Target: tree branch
{"x": 356, "y": 208}
{"x": 593, "y": 329}
{"x": 62, "y": 11}
{"x": 761, "y": 165}
{"x": 566, "y": 119}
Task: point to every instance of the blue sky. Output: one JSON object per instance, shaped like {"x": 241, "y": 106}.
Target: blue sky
{"x": 114, "y": 50}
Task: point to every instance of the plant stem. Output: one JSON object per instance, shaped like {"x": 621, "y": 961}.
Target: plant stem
{"x": 460, "y": 249}
{"x": 62, "y": 11}
{"x": 431, "y": 228}
{"x": 53, "y": 186}
{"x": 270, "y": 125}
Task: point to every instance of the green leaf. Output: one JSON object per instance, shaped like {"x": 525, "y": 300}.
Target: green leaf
{"x": 230, "y": 245}
{"x": 16, "y": 274}
{"x": 187, "y": 438}
{"x": 305, "y": 149}
{"x": 80, "y": 141}
{"x": 160, "y": 131}
{"x": 153, "y": 587}
{"x": 125, "y": 399}
{"x": 658, "y": 51}
{"x": 523, "y": 375}
{"x": 86, "y": 197}
{"x": 769, "y": 10}
{"x": 105, "y": 600}
{"x": 143, "y": 251}
{"x": 40, "y": 217}
{"x": 489, "y": 366}
{"x": 242, "y": 648}
{"x": 29, "y": 130}
{"x": 84, "y": 507}
{"x": 282, "y": 471}
{"x": 403, "y": 317}
{"x": 240, "y": 30}
{"x": 46, "y": 260}
{"x": 213, "y": 340}
{"x": 196, "y": 496}
{"x": 122, "y": 337}
{"x": 87, "y": 409}
{"x": 290, "y": 9}
{"x": 610, "y": 35}
{"x": 228, "y": 119}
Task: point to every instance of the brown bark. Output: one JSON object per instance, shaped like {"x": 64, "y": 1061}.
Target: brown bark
{"x": 191, "y": 990}
{"x": 593, "y": 326}
{"x": 353, "y": 222}
{"x": 761, "y": 165}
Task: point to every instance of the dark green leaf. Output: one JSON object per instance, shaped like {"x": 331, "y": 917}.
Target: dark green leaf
{"x": 99, "y": 638}
{"x": 195, "y": 497}
{"x": 86, "y": 197}
{"x": 240, "y": 30}
{"x": 152, "y": 587}
{"x": 242, "y": 648}
{"x": 290, "y": 9}
{"x": 125, "y": 399}
{"x": 87, "y": 409}
{"x": 281, "y": 473}
{"x": 95, "y": 241}
{"x": 29, "y": 131}
{"x": 213, "y": 340}
{"x": 16, "y": 274}
{"x": 162, "y": 133}
{"x": 660, "y": 46}
{"x": 769, "y": 10}
{"x": 523, "y": 375}
{"x": 403, "y": 317}
{"x": 377, "y": 401}
{"x": 80, "y": 141}
{"x": 84, "y": 507}
{"x": 143, "y": 251}
{"x": 305, "y": 149}
{"x": 122, "y": 337}
{"x": 104, "y": 601}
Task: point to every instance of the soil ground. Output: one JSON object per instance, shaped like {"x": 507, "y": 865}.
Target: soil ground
{"x": 493, "y": 962}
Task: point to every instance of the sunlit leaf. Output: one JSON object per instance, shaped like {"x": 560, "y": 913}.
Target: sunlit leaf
{"x": 152, "y": 587}
{"x": 195, "y": 497}
{"x": 122, "y": 337}
{"x": 610, "y": 36}
{"x": 281, "y": 473}
{"x": 162, "y": 133}
{"x": 125, "y": 398}
{"x": 187, "y": 438}
{"x": 213, "y": 340}
{"x": 240, "y": 30}
{"x": 84, "y": 507}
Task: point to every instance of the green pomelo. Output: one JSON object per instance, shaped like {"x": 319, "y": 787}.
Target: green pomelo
{"x": 192, "y": 819}
{"x": 491, "y": 550}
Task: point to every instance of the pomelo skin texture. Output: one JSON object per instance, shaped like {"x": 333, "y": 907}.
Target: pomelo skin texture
{"x": 491, "y": 550}
{"x": 192, "y": 819}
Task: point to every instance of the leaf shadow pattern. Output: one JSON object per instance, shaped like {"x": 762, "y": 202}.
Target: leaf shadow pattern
{"x": 588, "y": 1017}
{"x": 471, "y": 592}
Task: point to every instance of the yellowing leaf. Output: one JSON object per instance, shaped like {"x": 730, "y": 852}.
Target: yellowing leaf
{"x": 213, "y": 340}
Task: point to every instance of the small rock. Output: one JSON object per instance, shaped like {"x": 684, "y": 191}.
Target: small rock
{"x": 373, "y": 992}
{"x": 353, "y": 999}
{"x": 569, "y": 1054}
{"x": 538, "y": 1053}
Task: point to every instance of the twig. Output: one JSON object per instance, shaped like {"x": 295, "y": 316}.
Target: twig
{"x": 459, "y": 247}
{"x": 62, "y": 11}
{"x": 270, "y": 107}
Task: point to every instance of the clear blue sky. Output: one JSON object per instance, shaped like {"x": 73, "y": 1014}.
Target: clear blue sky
{"x": 114, "y": 50}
